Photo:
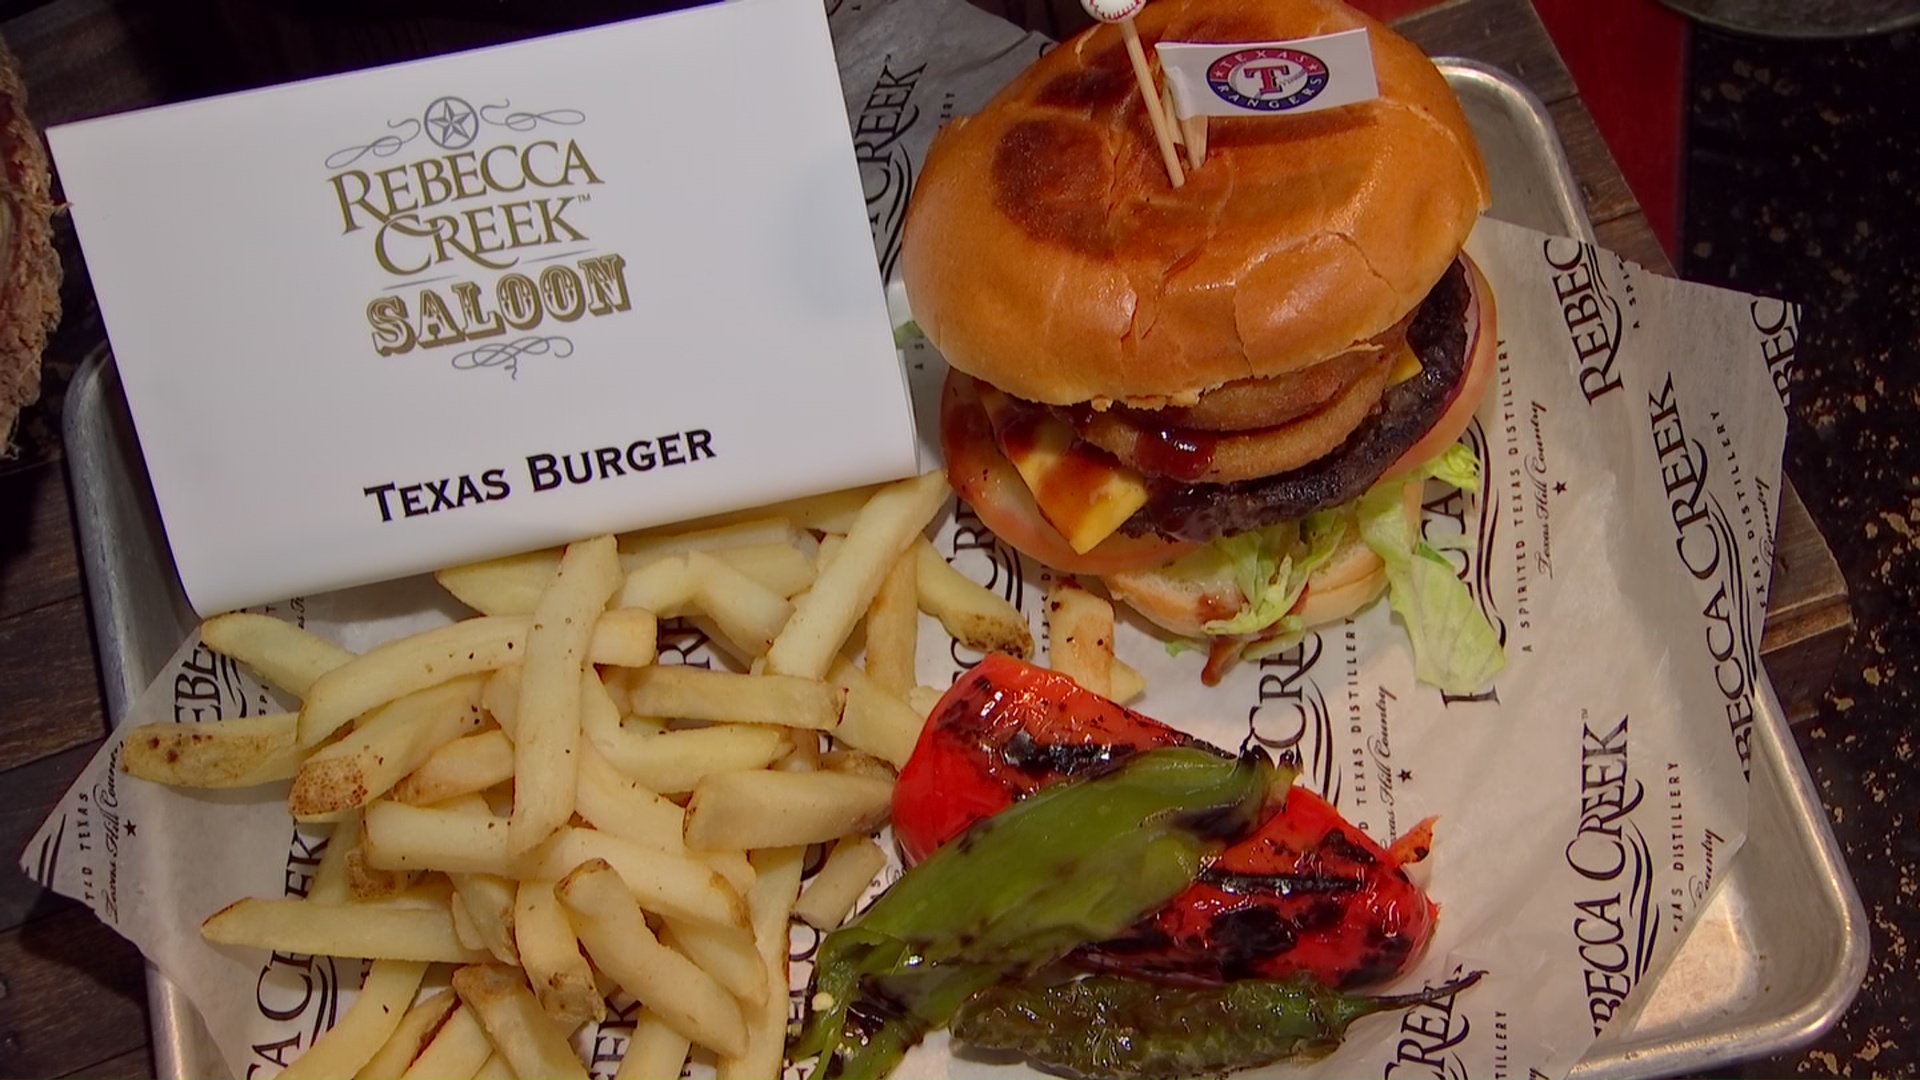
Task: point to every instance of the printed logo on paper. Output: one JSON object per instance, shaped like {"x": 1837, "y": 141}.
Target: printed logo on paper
{"x": 1524, "y": 504}
{"x": 1778, "y": 324}
{"x": 1616, "y": 922}
{"x": 1290, "y": 715}
{"x": 1595, "y": 319}
{"x": 1716, "y": 553}
{"x": 886, "y": 166}
{"x": 480, "y": 219}
{"x": 1431, "y": 1035}
{"x": 1268, "y": 79}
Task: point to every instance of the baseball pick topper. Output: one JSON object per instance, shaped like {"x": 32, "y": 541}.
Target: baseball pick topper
{"x": 1269, "y": 78}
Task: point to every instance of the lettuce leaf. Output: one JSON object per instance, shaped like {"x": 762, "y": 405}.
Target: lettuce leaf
{"x": 1457, "y": 466}
{"x": 1271, "y": 567}
{"x": 1454, "y": 647}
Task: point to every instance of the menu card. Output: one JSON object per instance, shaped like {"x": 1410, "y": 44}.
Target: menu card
{"x": 382, "y": 322}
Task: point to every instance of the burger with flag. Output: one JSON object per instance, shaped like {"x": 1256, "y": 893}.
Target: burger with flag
{"x": 1223, "y": 398}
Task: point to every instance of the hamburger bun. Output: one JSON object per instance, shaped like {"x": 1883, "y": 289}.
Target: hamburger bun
{"x": 1152, "y": 385}
{"x": 1184, "y": 603}
{"x": 1046, "y": 253}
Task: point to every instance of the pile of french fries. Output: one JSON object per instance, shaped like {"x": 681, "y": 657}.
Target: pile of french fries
{"x": 532, "y": 818}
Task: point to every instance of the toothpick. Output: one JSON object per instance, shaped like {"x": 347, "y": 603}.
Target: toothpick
{"x": 1122, "y": 12}
{"x": 1195, "y": 130}
{"x": 1151, "y": 96}
{"x": 1190, "y": 132}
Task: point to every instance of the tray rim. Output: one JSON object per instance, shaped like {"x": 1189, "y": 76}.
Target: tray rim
{"x": 181, "y": 1047}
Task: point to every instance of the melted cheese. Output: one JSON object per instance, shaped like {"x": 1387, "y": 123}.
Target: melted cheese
{"x": 1082, "y": 493}
{"x": 1405, "y": 366}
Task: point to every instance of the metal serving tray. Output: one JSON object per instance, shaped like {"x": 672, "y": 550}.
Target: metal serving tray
{"x": 1773, "y": 963}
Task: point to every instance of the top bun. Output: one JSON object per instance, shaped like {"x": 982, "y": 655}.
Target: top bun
{"x": 1046, "y": 252}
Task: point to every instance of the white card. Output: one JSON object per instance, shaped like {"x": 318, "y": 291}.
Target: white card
{"x": 1269, "y": 78}
{"x": 389, "y": 321}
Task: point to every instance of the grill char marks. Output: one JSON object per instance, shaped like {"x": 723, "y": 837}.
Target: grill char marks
{"x": 1042, "y": 174}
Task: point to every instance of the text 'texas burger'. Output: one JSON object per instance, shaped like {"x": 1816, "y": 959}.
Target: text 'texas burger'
{"x": 1223, "y": 399}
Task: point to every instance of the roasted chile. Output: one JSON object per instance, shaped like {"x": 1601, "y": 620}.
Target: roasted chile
{"x": 1305, "y": 893}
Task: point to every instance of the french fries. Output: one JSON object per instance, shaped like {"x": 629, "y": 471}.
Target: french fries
{"x": 748, "y": 614}
{"x": 893, "y": 627}
{"x": 824, "y": 617}
{"x": 329, "y": 884}
{"x": 530, "y": 1041}
{"x": 673, "y": 886}
{"x": 539, "y": 805}
{"x": 465, "y": 765}
{"x": 411, "y": 1035}
{"x": 282, "y": 653}
{"x": 459, "y": 1048}
{"x": 1080, "y": 635}
{"x": 691, "y": 693}
{"x": 771, "y": 902}
{"x": 505, "y": 586}
{"x": 377, "y": 931}
{"x": 672, "y": 762}
{"x": 874, "y": 720}
{"x": 238, "y": 751}
{"x": 614, "y": 931}
{"x": 488, "y": 900}
{"x": 370, "y": 1021}
{"x": 654, "y": 1049}
{"x": 545, "y": 738}
{"x": 767, "y": 528}
{"x": 976, "y": 617}
{"x": 727, "y": 953}
{"x": 389, "y": 743}
{"x": 837, "y": 887}
{"x": 562, "y": 981}
{"x": 747, "y": 810}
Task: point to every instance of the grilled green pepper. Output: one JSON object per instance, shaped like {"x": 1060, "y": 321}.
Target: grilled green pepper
{"x": 1074, "y": 863}
{"x": 1117, "y": 1026}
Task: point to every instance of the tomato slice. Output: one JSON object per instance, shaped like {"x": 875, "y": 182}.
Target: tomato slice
{"x": 1482, "y": 358}
{"x": 988, "y": 482}
{"x": 1306, "y": 893}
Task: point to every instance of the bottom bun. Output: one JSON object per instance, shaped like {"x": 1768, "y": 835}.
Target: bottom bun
{"x": 1184, "y": 604}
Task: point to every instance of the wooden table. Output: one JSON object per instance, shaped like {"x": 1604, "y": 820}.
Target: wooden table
{"x": 71, "y": 992}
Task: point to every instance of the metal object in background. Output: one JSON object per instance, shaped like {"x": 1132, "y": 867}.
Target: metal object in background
{"x": 1802, "y": 18}
{"x": 1774, "y": 960}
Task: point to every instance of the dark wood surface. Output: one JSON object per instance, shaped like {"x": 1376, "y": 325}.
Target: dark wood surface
{"x": 71, "y": 992}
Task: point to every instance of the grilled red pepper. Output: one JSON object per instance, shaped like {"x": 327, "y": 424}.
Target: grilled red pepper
{"x": 1306, "y": 893}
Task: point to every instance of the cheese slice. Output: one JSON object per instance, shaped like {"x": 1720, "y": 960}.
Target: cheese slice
{"x": 1405, "y": 366}
{"x": 1081, "y": 492}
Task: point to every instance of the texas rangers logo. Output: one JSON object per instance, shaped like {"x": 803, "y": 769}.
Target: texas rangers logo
{"x": 1268, "y": 79}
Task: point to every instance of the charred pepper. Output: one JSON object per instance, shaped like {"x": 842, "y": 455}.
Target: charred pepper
{"x": 1305, "y": 893}
{"x": 1075, "y": 862}
{"x": 1111, "y": 1026}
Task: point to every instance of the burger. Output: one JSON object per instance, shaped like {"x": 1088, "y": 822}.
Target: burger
{"x": 1222, "y": 399}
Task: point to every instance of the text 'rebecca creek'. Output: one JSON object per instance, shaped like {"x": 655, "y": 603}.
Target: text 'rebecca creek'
{"x": 485, "y": 212}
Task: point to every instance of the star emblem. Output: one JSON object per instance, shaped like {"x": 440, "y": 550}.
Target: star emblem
{"x": 130, "y": 828}
{"x": 1405, "y": 776}
{"x": 1560, "y": 487}
{"x": 451, "y": 123}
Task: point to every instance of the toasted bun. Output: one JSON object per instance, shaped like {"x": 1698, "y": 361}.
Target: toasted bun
{"x": 1184, "y": 604}
{"x": 1047, "y": 253}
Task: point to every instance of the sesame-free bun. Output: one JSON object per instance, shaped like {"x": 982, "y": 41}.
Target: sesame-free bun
{"x": 1046, "y": 252}
{"x": 1183, "y": 602}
